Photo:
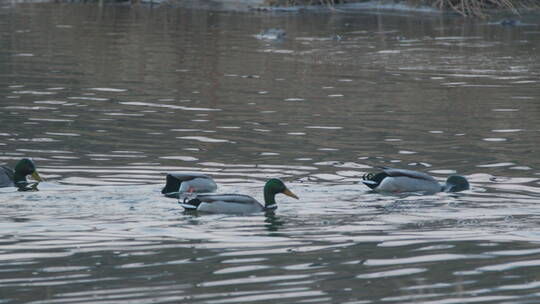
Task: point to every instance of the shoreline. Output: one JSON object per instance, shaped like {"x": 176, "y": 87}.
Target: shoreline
{"x": 444, "y": 6}
{"x": 474, "y": 8}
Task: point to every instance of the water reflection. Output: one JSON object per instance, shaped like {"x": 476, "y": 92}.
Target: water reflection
{"x": 273, "y": 222}
{"x": 164, "y": 89}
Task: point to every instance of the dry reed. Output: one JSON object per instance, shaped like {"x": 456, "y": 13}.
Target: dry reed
{"x": 479, "y": 7}
{"x": 464, "y": 7}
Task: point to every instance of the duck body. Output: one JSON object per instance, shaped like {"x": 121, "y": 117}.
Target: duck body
{"x": 6, "y": 177}
{"x": 17, "y": 177}
{"x": 225, "y": 203}
{"x": 402, "y": 180}
{"x": 178, "y": 183}
{"x": 237, "y": 203}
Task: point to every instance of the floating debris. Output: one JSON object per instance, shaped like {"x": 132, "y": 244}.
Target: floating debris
{"x": 272, "y": 34}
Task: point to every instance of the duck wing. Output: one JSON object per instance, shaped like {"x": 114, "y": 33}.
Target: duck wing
{"x": 232, "y": 198}
{"x": 408, "y": 173}
{"x": 223, "y": 203}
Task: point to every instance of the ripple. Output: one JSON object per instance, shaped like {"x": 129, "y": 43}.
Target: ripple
{"x": 328, "y": 177}
{"x": 324, "y": 127}
{"x": 45, "y": 151}
{"x": 506, "y": 130}
{"x": 510, "y": 266}
{"x": 420, "y": 259}
{"x": 124, "y": 114}
{"x": 64, "y": 268}
{"x": 407, "y": 152}
{"x": 116, "y": 155}
{"x": 62, "y": 134}
{"x": 205, "y": 139}
{"x": 505, "y": 110}
{"x": 241, "y": 269}
{"x": 182, "y": 158}
{"x": 157, "y": 105}
{"x": 495, "y": 165}
{"x": 29, "y": 108}
{"x": 37, "y": 139}
{"x": 51, "y": 119}
{"x": 443, "y": 171}
{"x": 389, "y": 52}
{"x": 53, "y": 102}
{"x": 107, "y": 90}
{"x": 247, "y": 260}
{"x": 250, "y": 280}
{"x": 34, "y": 92}
{"x": 495, "y": 139}
{"x": 89, "y": 98}
{"x": 391, "y": 273}
{"x": 272, "y": 295}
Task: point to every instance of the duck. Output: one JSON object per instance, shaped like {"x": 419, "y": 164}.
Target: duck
{"x": 178, "y": 183}
{"x": 238, "y": 203}
{"x": 17, "y": 177}
{"x": 402, "y": 180}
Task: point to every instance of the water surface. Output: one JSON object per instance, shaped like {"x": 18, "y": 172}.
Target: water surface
{"x": 108, "y": 99}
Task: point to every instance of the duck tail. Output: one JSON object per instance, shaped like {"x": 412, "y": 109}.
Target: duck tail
{"x": 172, "y": 186}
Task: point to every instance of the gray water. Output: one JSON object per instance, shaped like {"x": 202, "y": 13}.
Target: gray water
{"x": 106, "y": 100}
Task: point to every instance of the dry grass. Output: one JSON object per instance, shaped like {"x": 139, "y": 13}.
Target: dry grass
{"x": 478, "y": 7}
{"x": 464, "y": 7}
{"x": 306, "y": 2}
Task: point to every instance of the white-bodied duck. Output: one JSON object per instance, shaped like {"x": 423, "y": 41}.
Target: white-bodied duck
{"x": 17, "y": 177}
{"x": 402, "y": 180}
{"x": 178, "y": 183}
{"x": 238, "y": 203}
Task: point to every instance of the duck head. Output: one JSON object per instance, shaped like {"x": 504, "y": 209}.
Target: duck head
{"x": 24, "y": 168}
{"x": 456, "y": 183}
{"x": 273, "y": 187}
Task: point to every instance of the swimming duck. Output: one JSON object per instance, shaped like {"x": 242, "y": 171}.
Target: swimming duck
{"x": 238, "y": 203}
{"x": 178, "y": 183}
{"x": 402, "y": 180}
{"x": 17, "y": 177}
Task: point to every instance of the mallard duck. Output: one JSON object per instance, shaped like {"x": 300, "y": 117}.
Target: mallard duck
{"x": 238, "y": 203}
{"x": 17, "y": 177}
{"x": 178, "y": 183}
{"x": 401, "y": 180}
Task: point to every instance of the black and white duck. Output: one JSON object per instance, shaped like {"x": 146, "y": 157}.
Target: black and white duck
{"x": 402, "y": 180}
{"x": 238, "y": 203}
{"x": 178, "y": 183}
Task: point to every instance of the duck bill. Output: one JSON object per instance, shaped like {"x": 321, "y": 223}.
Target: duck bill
{"x": 289, "y": 193}
{"x": 36, "y": 176}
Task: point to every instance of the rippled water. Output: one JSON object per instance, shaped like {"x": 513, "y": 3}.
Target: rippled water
{"x": 108, "y": 99}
